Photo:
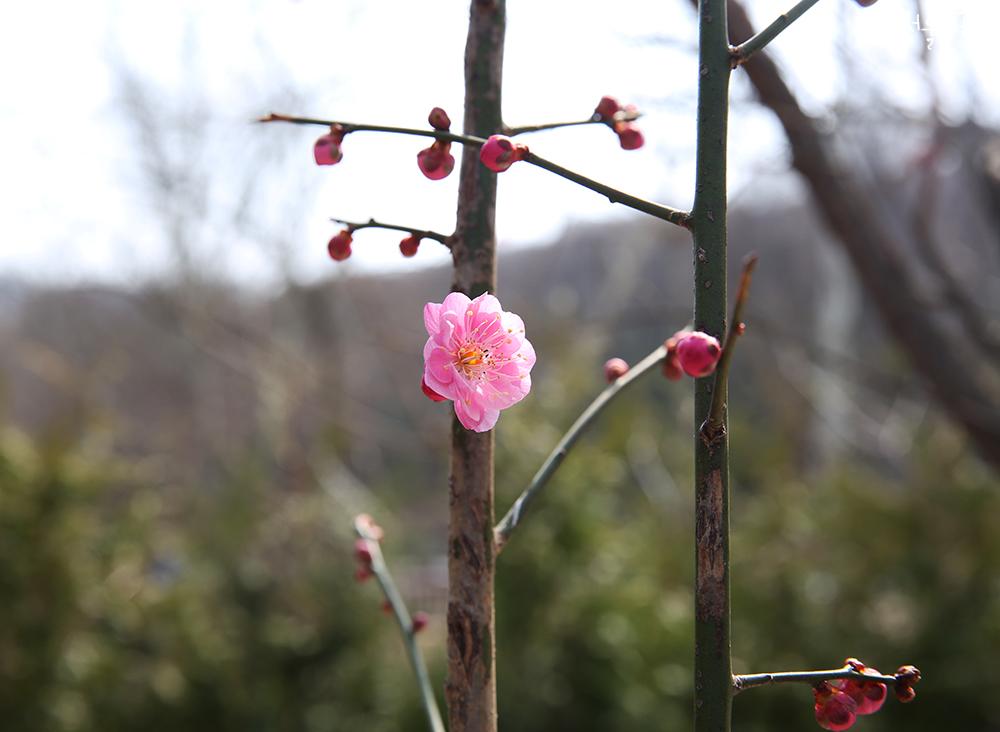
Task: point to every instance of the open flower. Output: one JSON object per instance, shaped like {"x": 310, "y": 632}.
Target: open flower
{"x": 476, "y": 356}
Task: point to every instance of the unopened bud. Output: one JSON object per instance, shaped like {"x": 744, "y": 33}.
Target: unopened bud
{"x": 408, "y": 247}
{"x": 419, "y": 621}
{"x": 615, "y": 368}
{"x": 339, "y": 247}
{"x": 629, "y": 136}
{"x": 498, "y": 153}
{"x": 430, "y": 393}
{"x": 698, "y": 353}
{"x": 362, "y": 552}
{"x": 606, "y": 108}
{"x": 439, "y": 119}
{"x": 326, "y": 149}
{"x": 436, "y": 162}
{"x": 834, "y": 709}
{"x": 367, "y": 526}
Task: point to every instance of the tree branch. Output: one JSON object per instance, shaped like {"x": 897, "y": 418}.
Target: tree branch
{"x": 712, "y": 427}
{"x": 665, "y": 213}
{"x": 373, "y": 224}
{"x": 742, "y": 682}
{"x": 515, "y": 515}
{"x": 748, "y": 48}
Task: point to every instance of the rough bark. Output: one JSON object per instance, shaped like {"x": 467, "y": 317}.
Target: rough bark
{"x": 470, "y": 690}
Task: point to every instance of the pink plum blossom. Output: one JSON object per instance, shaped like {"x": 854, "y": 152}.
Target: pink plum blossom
{"x": 477, "y": 356}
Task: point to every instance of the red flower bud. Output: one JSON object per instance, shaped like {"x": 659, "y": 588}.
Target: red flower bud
{"x": 629, "y": 136}
{"x": 362, "y": 552}
{"x": 340, "y": 246}
{"x": 408, "y": 247}
{"x": 436, "y": 162}
{"x": 606, "y": 108}
{"x": 834, "y": 709}
{"x": 498, "y": 153}
{"x": 326, "y": 150}
{"x": 614, "y": 368}
{"x": 419, "y": 621}
{"x": 387, "y": 607}
{"x": 362, "y": 574}
{"x": 697, "y": 353}
{"x": 439, "y": 119}
{"x": 430, "y": 393}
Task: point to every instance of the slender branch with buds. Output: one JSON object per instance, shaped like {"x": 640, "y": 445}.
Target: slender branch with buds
{"x": 353, "y": 226}
{"x": 517, "y": 512}
{"x": 665, "y": 213}
{"x": 906, "y": 675}
{"x": 368, "y": 532}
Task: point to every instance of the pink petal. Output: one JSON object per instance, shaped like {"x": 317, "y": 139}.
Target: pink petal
{"x": 432, "y": 317}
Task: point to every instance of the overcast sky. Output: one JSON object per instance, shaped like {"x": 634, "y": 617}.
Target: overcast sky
{"x": 76, "y": 194}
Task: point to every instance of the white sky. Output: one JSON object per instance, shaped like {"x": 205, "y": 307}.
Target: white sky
{"x": 73, "y": 191}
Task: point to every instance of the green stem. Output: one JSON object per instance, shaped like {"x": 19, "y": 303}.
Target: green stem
{"x": 517, "y": 512}
{"x": 713, "y": 665}
{"x": 405, "y": 622}
{"x": 666, "y": 213}
{"x": 748, "y": 48}
{"x": 373, "y": 224}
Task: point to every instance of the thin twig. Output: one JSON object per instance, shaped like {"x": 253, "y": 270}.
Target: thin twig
{"x": 515, "y": 515}
{"x": 748, "y": 48}
{"x": 594, "y": 119}
{"x": 715, "y": 424}
{"x": 373, "y": 224}
{"x": 665, "y": 213}
{"x": 748, "y": 681}
{"x": 405, "y": 622}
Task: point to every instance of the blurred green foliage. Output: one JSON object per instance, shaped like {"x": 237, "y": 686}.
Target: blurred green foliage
{"x": 130, "y": 604}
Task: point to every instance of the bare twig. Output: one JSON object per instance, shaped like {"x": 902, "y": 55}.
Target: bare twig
{"x": 715, "y": 424}
{"x": 748, "y": 681}
{"x": 749, "y": 47}
{"x": 514, "y": 516}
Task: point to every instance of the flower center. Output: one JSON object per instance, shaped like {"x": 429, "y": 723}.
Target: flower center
{"x": 469, "y": 356}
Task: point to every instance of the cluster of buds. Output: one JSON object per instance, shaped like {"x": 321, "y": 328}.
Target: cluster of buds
{"x": 621, "y": 119}
{"x": 499, "y": 153}
{"x": 339, "y": 247}
{"x": 327, "y": 150}
{"x": 437, "y": 162}
{"x": 839, "y": 702}
{"x": 690, "y": 352}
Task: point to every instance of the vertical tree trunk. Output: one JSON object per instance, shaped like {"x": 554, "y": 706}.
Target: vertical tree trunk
{"x": 712, "y": 668}
{"x": 471, "y": 686}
